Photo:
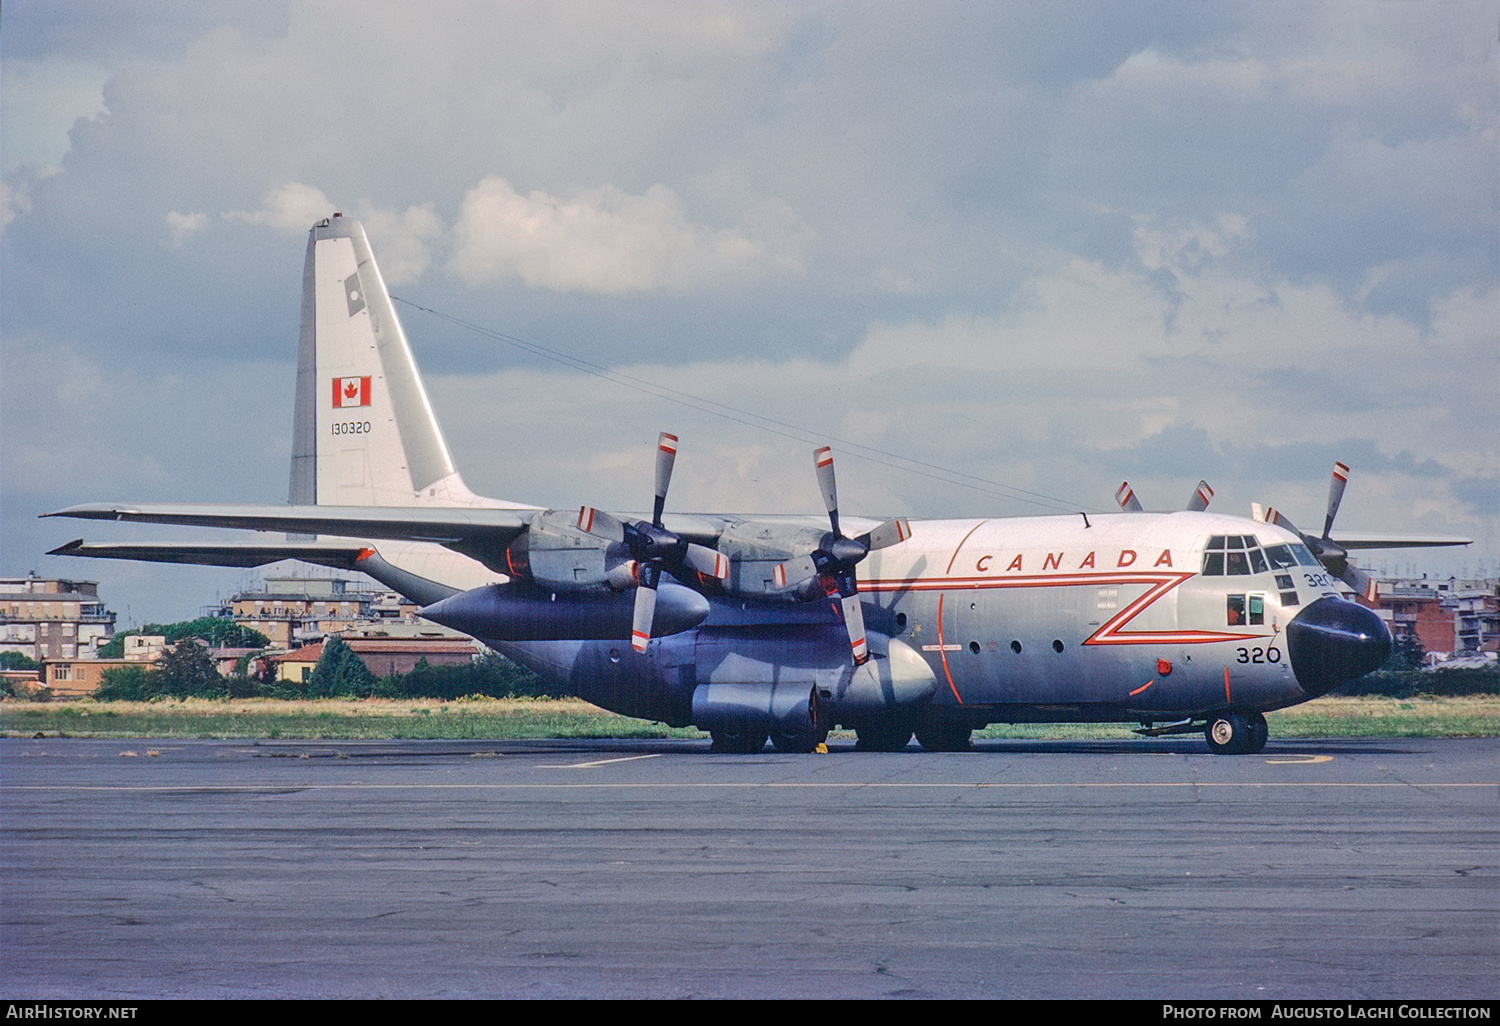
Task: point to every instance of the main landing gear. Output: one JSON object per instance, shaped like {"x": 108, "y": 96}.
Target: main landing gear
{"x": 1236, "y": 733}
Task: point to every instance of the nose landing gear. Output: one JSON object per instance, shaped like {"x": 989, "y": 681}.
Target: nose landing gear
{"x": 1235, "y": 733}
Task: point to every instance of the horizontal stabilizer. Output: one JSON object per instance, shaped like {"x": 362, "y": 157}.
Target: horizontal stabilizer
{"x": 339, "y": 555}
{"x": 463, "y": 528}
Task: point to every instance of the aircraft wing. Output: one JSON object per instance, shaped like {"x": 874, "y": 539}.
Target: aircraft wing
{"x": 1371, "y": 540}
{"x": 339, "y": 555}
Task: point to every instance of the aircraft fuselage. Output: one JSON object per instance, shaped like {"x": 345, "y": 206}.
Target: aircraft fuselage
{"x": 1087, "y": 618}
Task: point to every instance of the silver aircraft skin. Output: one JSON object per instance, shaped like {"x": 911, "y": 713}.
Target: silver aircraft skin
{"x": 752, "y": 627}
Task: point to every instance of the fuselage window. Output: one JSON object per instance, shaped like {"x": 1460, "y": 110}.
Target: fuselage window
{"x": 1245, "y": 609}
{"x": 1288, "y": 589}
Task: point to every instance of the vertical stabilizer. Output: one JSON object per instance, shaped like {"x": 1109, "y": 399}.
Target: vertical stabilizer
{"x": 363, "y": 431}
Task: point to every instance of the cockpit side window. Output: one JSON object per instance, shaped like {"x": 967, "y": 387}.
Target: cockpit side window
{"x": 1280, "y": 557}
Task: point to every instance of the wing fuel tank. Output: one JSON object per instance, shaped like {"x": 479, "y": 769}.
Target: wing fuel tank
{"x": 508, "y": 612}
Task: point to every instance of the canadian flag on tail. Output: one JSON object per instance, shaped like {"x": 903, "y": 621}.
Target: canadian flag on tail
{"x": 349, "y": 392}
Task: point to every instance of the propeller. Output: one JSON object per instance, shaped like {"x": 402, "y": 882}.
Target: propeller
{"x": 1202, "y": 495}
{"x": 652, "y": 547}
{"x": 1333, "y": 556}
{"x": 836, "y": 556}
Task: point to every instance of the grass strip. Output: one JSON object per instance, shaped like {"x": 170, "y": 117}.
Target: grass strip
{"x": 505, "y": 718}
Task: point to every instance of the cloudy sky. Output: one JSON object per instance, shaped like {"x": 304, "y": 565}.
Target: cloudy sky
{"x": 1014, "y": 252}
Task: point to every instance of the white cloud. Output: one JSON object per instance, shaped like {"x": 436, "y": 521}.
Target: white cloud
{"x": 292, "y": 207}
{"x": 406, "y": 239}
{"x": 182, "y": 227}
{"x": 603, "y": 240}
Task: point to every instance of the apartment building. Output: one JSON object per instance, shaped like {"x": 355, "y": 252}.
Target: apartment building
{"x": 50, "y": 618}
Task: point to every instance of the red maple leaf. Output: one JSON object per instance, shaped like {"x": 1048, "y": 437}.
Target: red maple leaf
{"x": 350, "y": 390}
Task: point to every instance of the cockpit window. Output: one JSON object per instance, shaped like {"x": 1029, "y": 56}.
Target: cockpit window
{"x": 1237, "y": 555}
{"x": 1280, "y": 557}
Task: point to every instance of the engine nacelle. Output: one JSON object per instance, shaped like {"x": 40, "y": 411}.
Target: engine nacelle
{"x": 554, "y": 554}
{"x": 515, "y": 612}
{"x": 756, "y": 548}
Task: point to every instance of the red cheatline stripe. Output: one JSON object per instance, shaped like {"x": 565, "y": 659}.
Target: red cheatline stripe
{"x": 1143, "y": 687}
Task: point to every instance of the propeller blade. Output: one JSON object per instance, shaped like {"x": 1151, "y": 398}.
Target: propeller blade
{"x": 794, "y": 571}
{"x": 823, "y": 461}
{"x": 1335, "y": 495}
{"x": 891, "y": 532}
{"x": 854, "y": 622}
{"x": 1280, "y": 519}
{"x": 1126, "y": 498}
{"x": 645, "y": 607}
{"x": 707, "y": 561}
{"x": 1363, "y": 584}
{"x": 600, "y": 524}
{"x": 666, "y": 456}
{"x": 1202, "y": 496}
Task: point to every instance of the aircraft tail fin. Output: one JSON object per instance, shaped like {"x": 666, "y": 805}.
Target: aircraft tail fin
{"x": 363, "y": 431}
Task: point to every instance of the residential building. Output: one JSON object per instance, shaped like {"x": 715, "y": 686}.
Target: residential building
{"x": 50, "y": 618}
{"x": 1451, "y": 617}
{"x": 292, "y": 611}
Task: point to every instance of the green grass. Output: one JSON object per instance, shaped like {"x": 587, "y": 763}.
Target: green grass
{"x": 488, "y": 718}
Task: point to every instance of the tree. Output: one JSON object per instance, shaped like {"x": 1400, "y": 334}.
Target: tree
{"x": 1407, "y": 653}
{"x": 129, "y": 683}
{"x": 17, "y": 661}
{"x": 186, "y": 671}
{"x": 216, "y": 630}
{"x": 340, "y": 673}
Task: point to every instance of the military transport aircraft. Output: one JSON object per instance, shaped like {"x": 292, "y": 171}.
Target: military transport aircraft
{"x": 752, "y": 627}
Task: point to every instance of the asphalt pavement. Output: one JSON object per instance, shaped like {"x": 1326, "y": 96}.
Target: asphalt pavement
{"x": 1356, "y": 869}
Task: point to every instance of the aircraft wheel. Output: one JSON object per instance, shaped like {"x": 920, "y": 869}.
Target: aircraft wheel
{"x": 746, "y": 741}
{"x": 1228, "y": 734}
{"x": 882, "y": 736}
{"x": 945, "y": 737}
{"x": 1259, "y": 733}
{"x": 797, "y": 742}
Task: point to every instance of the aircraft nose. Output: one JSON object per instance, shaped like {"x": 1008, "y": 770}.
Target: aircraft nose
{"x": 1334, "y": 641}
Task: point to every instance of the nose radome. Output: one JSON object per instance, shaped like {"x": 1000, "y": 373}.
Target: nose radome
{"x": 1333, "y": 641}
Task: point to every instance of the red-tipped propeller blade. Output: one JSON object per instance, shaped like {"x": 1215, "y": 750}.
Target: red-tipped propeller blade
{"x": 1202, "y": 496}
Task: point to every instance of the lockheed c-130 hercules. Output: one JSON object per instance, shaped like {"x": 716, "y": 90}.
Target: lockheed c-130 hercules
{"x": 781, "y": 627}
